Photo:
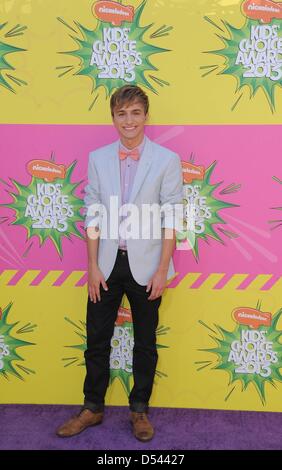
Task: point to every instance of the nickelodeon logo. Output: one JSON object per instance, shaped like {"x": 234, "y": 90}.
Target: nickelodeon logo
{"x": 262, "y": 10}
{"x": 113, "y": 12}
{"x": 123, "y": 316}
{"x": 192, "y": 172}
{"x": 46, "y": 170}
{"x": 251, "y": 317}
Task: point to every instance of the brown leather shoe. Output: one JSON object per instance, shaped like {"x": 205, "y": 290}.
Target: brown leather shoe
{"x": 142, "y": 428}
{"x": 80, "y": 422}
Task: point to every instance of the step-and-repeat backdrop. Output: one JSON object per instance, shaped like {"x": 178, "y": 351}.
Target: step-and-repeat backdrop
{"x": 213, "y": 74}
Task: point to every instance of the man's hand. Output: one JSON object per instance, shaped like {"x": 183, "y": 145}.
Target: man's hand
{"x": 95, "y": 278}
{"x": 157, "y": 283}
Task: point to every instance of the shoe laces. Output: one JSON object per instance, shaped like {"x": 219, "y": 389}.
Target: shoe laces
{"x": 141, "y": 416}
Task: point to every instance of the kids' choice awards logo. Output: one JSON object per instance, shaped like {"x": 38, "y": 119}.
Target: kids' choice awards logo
{"x": 8, "y": 36}
{"x": 122, "y": 343}
{"x": 10, "y": 359}
{"x": 251, "y": 353}
{"x": 253, "y": 53}
{"x": 48, "y": 207}
{"x": 116, "y": 52}
{"x": 201, "y": 207}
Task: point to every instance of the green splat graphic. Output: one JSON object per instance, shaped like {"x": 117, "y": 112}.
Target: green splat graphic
{"x": 20, "y": 202}
{"x": 136, "y": 33}
{"x": 9, "y": 345}
{"x": 265, "y": 75}
{"x": 6, "y": 50}
{"x": 224, "y": 340}
{"x": 215, "y": 205}
{"x": 123, "y": 374}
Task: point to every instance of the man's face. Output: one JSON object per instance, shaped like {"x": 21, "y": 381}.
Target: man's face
{"x": 129, "y": 120}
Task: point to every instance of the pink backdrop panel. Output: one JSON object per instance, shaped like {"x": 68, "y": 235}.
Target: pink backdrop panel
{"x": 249, "y": 156}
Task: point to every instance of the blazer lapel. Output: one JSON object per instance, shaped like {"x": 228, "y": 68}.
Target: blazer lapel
{"x": 142, "y": 169}
{"x": 113, "y": 169}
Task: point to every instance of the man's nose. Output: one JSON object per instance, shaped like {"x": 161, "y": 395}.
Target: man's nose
{"x": 129, "y": 118}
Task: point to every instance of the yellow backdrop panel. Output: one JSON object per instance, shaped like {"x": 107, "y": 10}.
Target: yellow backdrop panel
{"x": 188, "y": 371}
{"x": 186, "y": 88}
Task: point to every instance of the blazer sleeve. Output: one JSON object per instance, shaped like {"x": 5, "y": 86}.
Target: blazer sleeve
{"x": 92, "y": 202}
{"x": 171, "y": 195}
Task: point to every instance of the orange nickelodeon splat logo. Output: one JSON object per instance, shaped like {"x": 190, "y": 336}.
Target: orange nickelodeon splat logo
{"x": 124, "y": 315}
{"x": 113, "y": 12}
{"x": 46, "y": 170}
{"x": 251, "y": 317}
{"x": 192, "y": 172}
{"x": 263, "y": 10}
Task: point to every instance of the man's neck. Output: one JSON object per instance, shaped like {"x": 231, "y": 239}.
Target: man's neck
{"x": 132, "y": 144}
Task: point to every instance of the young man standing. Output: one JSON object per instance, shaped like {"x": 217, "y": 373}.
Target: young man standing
{"x": 135, "y": 171}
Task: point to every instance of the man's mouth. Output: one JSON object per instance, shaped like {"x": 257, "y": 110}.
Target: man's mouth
{"x": 129, "y": 128}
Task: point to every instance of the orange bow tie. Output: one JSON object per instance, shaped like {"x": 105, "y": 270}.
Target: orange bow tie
{"x": 134, "y": 154}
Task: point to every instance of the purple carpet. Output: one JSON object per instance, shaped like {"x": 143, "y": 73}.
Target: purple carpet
{"x": 31, "y": 427}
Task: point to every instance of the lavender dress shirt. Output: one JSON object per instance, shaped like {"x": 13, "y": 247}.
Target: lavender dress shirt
{"x": 128, "y": 169}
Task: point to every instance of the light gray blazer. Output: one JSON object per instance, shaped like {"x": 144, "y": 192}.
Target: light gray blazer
{"x": 158, "y": 180}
